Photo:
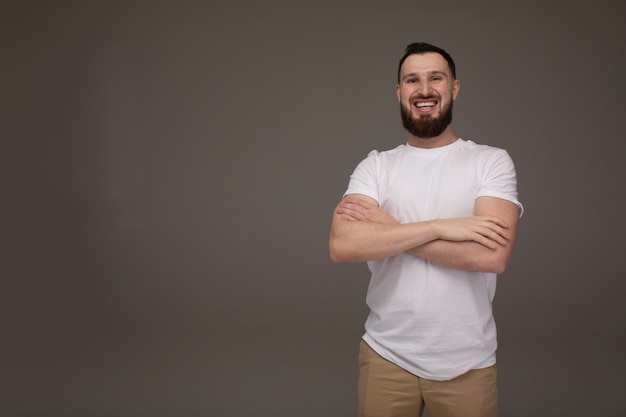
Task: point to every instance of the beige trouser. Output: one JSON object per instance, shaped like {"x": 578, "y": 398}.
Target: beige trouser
{"x": 386, "y": 390}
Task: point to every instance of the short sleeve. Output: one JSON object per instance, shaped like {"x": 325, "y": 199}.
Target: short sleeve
{"x": 364, "y": 179}
{"x": 500, "y": 179}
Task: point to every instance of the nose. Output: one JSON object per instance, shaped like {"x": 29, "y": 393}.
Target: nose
{"x": 424, "y": 88}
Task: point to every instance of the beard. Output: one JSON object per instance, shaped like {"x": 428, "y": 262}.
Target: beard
{"x": 426, "y": 126}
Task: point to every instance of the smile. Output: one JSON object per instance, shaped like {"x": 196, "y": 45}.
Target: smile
{"x": 425, "y": 104}
{"x": 425, "y": 107}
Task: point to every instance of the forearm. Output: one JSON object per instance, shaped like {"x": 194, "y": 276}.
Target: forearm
{"x": 356, "y": 241}
{"x": 468, "y": 256}
{"x": 361, "y": 231}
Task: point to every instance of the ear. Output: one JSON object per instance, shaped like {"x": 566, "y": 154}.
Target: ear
{"x": 398, "y": 92}
{"x": 456, "y": 86}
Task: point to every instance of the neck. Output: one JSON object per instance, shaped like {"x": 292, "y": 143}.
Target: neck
{"x": 447, "y": 137}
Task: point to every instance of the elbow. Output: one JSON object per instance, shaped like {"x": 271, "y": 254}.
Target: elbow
{"x": 338, "y": 252}
{"x": 495, "y": 265}
{"x": 498, "y": 268}
{"x": 336, "y": 258}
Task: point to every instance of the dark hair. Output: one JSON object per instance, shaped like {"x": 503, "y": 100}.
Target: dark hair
{"x": 422, "y": 48}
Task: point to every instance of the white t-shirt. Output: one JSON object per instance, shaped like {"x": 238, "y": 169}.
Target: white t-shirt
{"x": 433, "y": 321}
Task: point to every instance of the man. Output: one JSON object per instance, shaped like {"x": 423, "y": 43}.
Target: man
{"x": 435, "y": 219}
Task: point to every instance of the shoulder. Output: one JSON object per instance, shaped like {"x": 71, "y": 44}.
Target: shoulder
{"x": 472, "y": 146}
{"x": 376, "y": 157}
{"x": 386, "y": 153}
{"x": 483, "y": 152}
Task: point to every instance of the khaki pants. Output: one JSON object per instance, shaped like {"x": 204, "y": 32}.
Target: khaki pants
{"x": 386, "y": 390}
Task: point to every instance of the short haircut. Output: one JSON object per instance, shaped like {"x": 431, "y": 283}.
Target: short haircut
{"x": 421, "y": 48}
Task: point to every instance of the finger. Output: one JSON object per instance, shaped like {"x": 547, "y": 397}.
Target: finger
{"x": 358, "y": 202}
{"x": 490, "y": 244}
{"x": 349, "y": 216}
{"x": 503, "y": 233}
{"x": 346, "y": 209}
{"x": 351, "y": 206}
{"x": 500, "y": 230}
{"x": 486, "y": 242}
{"x": 498, "y": 221}
{"x": 497, "y": 238}
{"x": 353, "y": 214}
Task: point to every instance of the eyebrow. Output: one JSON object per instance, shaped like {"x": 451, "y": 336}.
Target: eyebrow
{"x": 414, "y": 74}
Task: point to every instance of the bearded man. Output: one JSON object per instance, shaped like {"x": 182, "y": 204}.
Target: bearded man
{"x": 435, "y": 219}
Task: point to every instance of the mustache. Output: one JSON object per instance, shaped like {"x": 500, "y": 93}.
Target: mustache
{"x": 420, "y": 96}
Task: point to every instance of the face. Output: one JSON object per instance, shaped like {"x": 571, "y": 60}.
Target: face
{"x": 426, "y": 92}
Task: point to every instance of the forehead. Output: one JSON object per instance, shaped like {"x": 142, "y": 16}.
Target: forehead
{"x": 424, "y": 63}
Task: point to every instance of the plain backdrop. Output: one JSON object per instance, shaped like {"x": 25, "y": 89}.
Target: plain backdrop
{"x": 169, "y": 170}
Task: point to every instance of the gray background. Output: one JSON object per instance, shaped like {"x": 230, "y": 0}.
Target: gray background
{"x": 169, "y": 170}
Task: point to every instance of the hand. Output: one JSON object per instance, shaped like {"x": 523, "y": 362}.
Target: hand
{"x": 357, "y": 209}
{"x": 489, "y": 231}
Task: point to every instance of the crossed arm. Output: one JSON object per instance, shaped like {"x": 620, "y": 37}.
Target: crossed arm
{"x": 361, "y": 231}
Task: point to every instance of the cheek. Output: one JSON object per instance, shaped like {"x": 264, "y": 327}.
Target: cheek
{"x": 405, "y": 93}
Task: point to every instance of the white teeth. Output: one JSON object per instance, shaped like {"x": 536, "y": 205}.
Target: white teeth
{"x": 426, "y": 104}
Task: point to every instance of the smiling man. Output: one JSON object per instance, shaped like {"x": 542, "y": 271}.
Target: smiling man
{"x": 435, "y": 219}
{"x": 426, "y": 95}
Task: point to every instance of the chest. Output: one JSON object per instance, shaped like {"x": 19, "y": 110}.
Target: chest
{"x": 415, "y": 189}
